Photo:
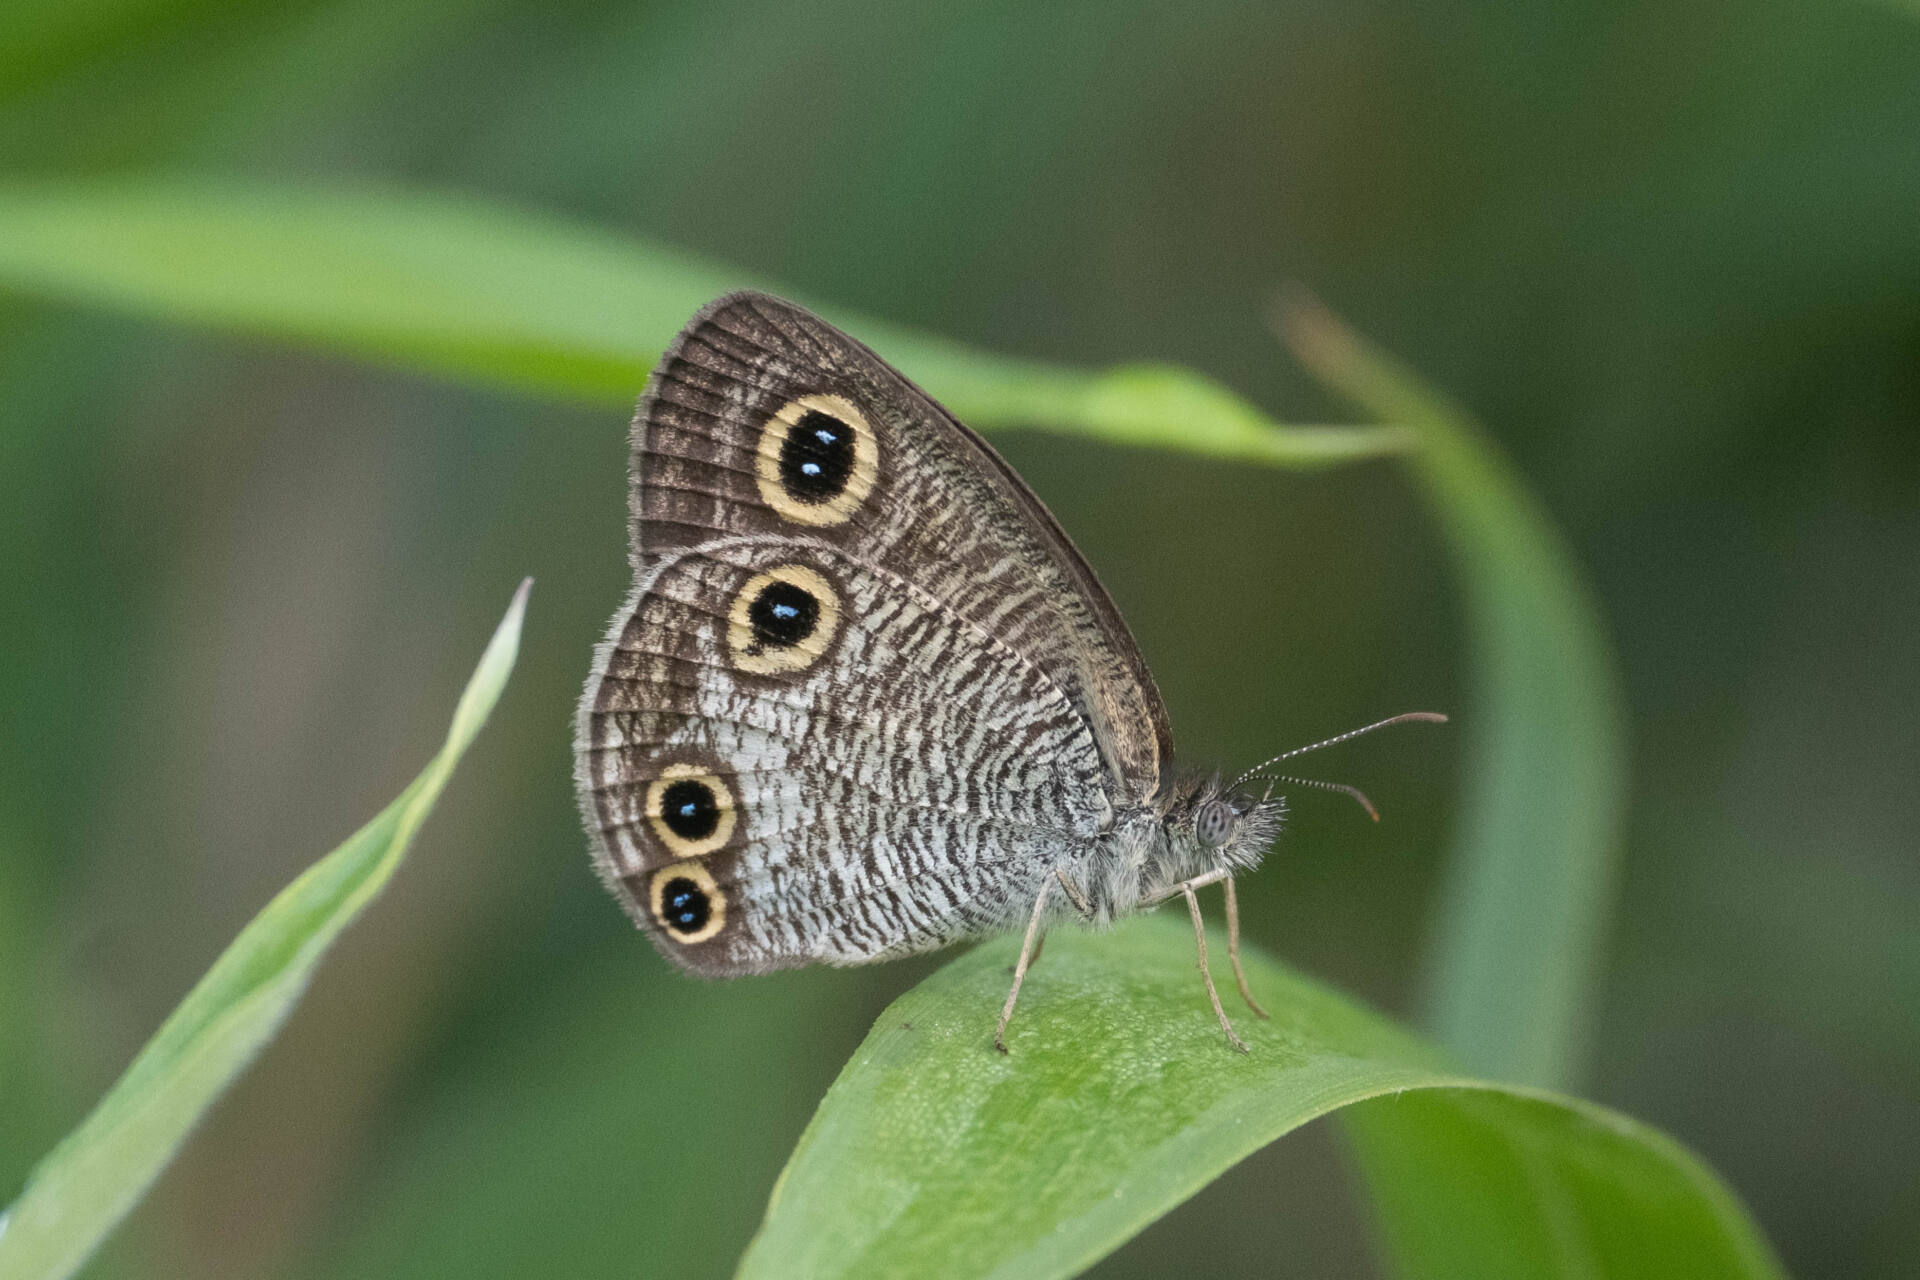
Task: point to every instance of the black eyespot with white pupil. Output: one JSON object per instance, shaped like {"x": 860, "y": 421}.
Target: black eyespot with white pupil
{"x": 685, "y": 906}
{"x": 816, "y": 457}
{"x": 816, "y": 461}
{"x": 690, "y": 809}
{"x": 1213, "y": 824}
{"x": 783, "y": 614}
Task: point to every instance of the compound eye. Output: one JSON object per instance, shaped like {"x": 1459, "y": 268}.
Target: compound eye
{"x": 1213, "y": 824}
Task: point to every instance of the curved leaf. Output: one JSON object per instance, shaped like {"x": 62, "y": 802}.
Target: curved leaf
{"x": 1515, "y": 953}
{"x": 932, "y": 1155}
{"x": 83, "y": 1188}
{"x": 506, "y": 297}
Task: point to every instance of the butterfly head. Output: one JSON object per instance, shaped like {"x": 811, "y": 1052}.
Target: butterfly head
{"x": 1213, "y": 826}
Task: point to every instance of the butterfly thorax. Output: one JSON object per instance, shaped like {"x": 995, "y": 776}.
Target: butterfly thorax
{"x": 1194, "y": 826}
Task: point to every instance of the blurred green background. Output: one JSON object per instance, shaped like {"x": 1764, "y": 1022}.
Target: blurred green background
{"x": 1670, "y": 254}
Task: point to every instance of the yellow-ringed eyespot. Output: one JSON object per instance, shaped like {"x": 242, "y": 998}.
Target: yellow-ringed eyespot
{"x": 817, "y": 460}
{"x": 782, "y": 620}
{"x": 690, "y": 809}
{"x": 686, "y": 902}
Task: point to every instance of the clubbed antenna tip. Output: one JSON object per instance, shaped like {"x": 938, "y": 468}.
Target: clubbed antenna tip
{"x": 1427, "y": 717}
{"x": 1405, "y": 717}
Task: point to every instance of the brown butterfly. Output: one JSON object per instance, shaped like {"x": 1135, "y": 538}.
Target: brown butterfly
{"x": 865, "y": 698}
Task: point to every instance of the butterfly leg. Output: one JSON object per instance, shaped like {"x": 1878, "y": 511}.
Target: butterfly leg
{"x": 1080, "y": 904}
{"x": 1154, "y": 899}
{"x": 1027, "y": 952}
{"x": 1075, "y": 893}
{"x": 1206, "y": 974}
{"x": 1233, "y": 949}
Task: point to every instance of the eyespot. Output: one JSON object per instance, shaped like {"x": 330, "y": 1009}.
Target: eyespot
{"x": 686, "y": 902}
{"x": 690, "y": 809}
{"x": 783, "y": 614}
{"x": 782, "y": 620}
{"x": 1213, "y": 823}
{"x": 817, "y": 460}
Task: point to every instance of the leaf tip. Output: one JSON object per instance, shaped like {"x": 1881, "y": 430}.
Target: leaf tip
{"x": 490, "y": 676}
{"x": 1318, "y": 338}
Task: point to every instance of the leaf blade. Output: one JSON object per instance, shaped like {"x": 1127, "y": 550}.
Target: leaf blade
{"x": 82, "y": 1189}
{"x": 932, "y": 1155}
{"x": 1513, "y": 1175}
{"x": 503, "y": 297}
{"x": 1513, "y": 962}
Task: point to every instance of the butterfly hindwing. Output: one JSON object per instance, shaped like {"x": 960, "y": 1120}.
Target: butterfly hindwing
{"x": 864, "y": 776}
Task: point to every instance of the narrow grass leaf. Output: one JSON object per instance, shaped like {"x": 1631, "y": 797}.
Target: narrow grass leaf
{"x": 474, "y": 290}
{"x": 88, "y": 1183}
{"x": 934, "y": 1156}
{"x": 1515, "y": 955}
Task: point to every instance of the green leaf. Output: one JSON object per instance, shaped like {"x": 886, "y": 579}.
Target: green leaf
{"x": 1511, "y": 1184}
{"x": 501, "y": 296}
{"x": 1515, "y": 956}
{"x": 932, "y": 1155}
{"x": 83, "y": 1188}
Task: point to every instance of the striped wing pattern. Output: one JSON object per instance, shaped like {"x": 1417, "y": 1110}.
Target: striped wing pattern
{"x": 861, "y": 701}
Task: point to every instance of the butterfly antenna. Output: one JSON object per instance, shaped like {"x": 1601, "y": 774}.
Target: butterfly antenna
{"x": 1341, "y": 787}
{"x": 1428, "y": 717}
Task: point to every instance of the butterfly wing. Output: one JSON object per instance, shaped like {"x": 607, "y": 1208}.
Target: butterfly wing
{"x": 867, "y": 777}
{"x": 865, "y": 694}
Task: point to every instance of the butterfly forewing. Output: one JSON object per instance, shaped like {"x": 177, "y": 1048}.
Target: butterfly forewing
{"x": 943, "y": 507}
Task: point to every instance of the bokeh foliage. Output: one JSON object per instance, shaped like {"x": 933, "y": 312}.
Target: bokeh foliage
{"x": 468, "y": 289}
{"x": 84, "y": 1186}
{"x": 1666, "y": 255}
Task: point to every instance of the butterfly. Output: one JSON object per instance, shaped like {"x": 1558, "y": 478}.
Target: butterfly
{"x": 865, "y": 699}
